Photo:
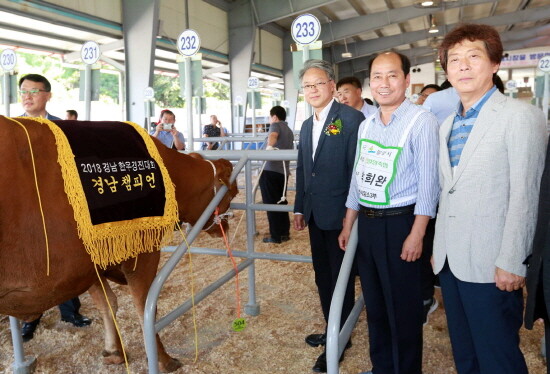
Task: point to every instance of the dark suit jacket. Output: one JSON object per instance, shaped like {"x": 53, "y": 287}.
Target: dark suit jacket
{"x": 536, "y": 296}
{"x": 322, "y": 185}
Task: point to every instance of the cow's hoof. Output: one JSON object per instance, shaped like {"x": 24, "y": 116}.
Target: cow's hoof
{"x": 112, "y": 358}
{"x": 170, "y": 366}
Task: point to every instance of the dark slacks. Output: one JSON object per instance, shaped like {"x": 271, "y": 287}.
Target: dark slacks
{"x": 271, "y": 186}
{"x": 428, "y": 276}
{"x": 327, "y": 259}
{"x": 67, "y": 309}
{"x": 393, "y": 295}
{"x": 484, "y": 325}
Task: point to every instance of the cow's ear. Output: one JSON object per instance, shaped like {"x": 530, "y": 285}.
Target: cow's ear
{"x": 223, "y": 171}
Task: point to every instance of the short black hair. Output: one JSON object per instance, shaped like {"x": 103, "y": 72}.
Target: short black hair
{"x": 73, "y": 113}
{"x": 354, "y": 81}
{"x": 278, "y": 111}
{"x": 432, "y": 86}
{"x": 405, "y": 62}
{"x": 38, "y": 79}
{"x": 446, "y": 84}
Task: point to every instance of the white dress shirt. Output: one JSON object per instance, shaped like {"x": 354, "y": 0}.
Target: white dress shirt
{"x": 318, "y": 124}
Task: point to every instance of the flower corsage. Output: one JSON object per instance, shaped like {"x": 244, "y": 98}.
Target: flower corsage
{"x": 335, "y": 128}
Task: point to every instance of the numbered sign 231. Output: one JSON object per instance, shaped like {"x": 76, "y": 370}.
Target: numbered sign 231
{"x": 90, "y": 53}
{"x": 189, "y": 42}
{"x": 306, "y": 29}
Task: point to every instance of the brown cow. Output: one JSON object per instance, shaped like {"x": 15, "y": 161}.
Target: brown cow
{"x": 25, "y": 289}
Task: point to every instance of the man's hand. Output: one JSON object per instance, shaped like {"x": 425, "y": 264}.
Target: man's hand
{"x": 343, "y": 238}
{"x": 412, "y": 248}
{"x": 299, "y": 222}
{"x": 508, "y": 281}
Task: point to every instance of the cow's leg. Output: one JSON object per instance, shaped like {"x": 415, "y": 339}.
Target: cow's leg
{"x": 139, "y": 282}
{"x": 112, "y": 354}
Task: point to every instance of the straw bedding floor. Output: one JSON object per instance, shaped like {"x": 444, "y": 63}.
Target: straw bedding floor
{"x": 273, "y": 342}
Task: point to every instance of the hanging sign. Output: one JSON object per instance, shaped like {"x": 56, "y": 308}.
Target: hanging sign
{"x": 306, "y": 29}
{"x": 253, "y": 82}
{"x": 8, "y": 59}
{"x": 189, "y": 42}
{"x": 544, "y": 64}
{"x": 90, "y": 53}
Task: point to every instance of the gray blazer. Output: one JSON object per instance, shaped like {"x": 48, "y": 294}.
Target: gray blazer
{"x": 322, "y": 185}
{"x": 488, "y": 208}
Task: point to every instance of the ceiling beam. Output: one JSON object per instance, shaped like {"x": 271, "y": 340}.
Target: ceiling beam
{"x": 266, "y": 11}
{"x": 346, "y": 28}
{"x": 368, "y": 47}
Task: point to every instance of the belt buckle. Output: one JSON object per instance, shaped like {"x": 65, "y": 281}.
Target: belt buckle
{"x": 370, "y": 213}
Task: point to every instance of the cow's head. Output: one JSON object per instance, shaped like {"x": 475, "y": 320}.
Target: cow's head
{"x": 223, "y": 174}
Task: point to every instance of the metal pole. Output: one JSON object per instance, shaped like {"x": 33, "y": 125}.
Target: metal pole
{"x": 21, "y": 364}
{"x": 121, "y": 99}
{"x": 189, "y": 101}
{"x": 6, "y": 95}
{"x": 545, "y": 96}
{"x": 251, "y": 308}
{"x": 87, "y": 92}
{"x": 253, "y": 104}
{"x": 305, "y": 55}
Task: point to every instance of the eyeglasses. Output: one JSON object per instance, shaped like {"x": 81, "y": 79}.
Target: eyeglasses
{"x": 309, "y": 87}
{"x": 32, "y": 92}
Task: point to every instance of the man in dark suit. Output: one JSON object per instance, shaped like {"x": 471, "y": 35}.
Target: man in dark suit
{"x": 35, "y": 92}
{"x": 538, "y": 270}
{"x": 325, "y": 162}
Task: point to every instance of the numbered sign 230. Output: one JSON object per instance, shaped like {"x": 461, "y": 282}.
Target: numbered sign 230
{"x": 90, "y": 53}
{"x": 8, "y": 59}
{"x": 306, "y": 29}
{"x": 189, "y": 42}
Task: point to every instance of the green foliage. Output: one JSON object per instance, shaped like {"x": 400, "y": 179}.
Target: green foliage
{"x": 215, "y": 89}
{"x": 109, "y": 87}
{"x": 167, "y": 92}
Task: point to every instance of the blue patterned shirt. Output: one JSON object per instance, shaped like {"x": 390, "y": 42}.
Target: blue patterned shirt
{"x": 417, "y": 167}
{"x": 462, "y": 127}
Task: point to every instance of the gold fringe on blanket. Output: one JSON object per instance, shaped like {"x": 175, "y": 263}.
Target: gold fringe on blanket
{"x": 114, "y": 242}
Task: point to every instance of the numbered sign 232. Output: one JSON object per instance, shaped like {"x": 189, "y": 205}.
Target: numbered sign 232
{"x": 189, "y": 42}
{"x": 306, "y": 29}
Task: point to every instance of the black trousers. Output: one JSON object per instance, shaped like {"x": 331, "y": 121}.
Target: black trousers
{"x": 271, "y": 186}
{"x": 327, "y": 259}
{"x": 393, "y": 295}
{"x": 428, "y": 276}
{"x": 67, "y": 309}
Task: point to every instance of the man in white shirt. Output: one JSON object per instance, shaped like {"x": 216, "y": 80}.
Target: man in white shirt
{"x": 325, "y": 163}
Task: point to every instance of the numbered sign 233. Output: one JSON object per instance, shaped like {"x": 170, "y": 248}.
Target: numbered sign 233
{"x": 306, "y": 29}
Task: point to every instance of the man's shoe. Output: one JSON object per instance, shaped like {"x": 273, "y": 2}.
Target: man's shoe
{"x": 315, "y": 340}
{"x": 77, "y": 320}
{"x": 270, "y": 239}
{"x": 321, "y": 362}
{"x": 430, "y": 306}
{"x": 27, "y": 331}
